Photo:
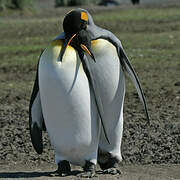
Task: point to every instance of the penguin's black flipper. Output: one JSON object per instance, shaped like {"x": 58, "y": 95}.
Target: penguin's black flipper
{"x": 89, "y": 73}
{"x": 36, "y": 120}
{"x": 128, "y": 67}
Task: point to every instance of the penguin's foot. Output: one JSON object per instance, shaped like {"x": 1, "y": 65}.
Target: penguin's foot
{"x": 86, "y": 174}
{"x": 112, "y": 171}
{"x": 89, "y": 170}
{"x": 111, "y": 166}
{"x": 64, "y": 168}
{"x": 111, "y": 162}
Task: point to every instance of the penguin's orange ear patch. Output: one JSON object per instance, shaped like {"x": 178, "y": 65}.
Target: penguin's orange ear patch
{"x": 84, "y": 16}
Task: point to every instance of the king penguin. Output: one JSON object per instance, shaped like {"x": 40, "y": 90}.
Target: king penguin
{"x": 78, "y": 96}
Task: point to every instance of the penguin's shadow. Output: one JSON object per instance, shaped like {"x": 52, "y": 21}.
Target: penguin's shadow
{"x": 16, "y": 175}
{"x": 23, "y": 174}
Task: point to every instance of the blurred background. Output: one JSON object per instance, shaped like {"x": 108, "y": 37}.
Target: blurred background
{"x": 22, "y": 4}
{"x": 150, "y": 33}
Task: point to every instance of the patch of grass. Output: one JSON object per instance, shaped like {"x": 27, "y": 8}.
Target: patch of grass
{"x": 141, "y": 14}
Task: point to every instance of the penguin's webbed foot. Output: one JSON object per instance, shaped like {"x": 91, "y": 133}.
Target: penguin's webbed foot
{"x": 64, "y": 168}
{"x": 112, "y": 171}
{"x": 89, "y": 170}
{"x": 86, "y": 174}
{"x": 111, "y": 166}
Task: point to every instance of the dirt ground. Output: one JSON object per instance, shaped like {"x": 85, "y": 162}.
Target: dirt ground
{"x": 131, "y": 172}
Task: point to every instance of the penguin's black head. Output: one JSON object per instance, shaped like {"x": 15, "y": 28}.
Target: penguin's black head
{"x": 75, "y": 21}
{"x": 75, "y": 27}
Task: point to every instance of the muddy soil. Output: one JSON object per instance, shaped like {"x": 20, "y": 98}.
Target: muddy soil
{"x": 131, "y": 172}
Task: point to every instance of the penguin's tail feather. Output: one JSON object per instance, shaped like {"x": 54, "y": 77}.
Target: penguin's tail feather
{"x": 132, "y": 74}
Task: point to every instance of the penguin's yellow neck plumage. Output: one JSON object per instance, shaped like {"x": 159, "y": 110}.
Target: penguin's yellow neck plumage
{"x": 70, "y": 54}
{"x": 101, "y": 46}
{"x": 55, "y": 49}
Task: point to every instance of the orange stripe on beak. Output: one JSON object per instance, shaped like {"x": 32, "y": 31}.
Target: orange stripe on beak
{"x": 71, "y": 39}
{"x": 86, "y": 49}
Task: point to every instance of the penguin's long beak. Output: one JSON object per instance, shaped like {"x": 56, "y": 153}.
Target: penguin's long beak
{"x": 88, "y": 51}
{"x": 71, "y": 39}
{"x": 83, "y": 47}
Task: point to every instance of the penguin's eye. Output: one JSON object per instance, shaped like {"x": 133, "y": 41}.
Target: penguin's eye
{"x": 83, "y": 25}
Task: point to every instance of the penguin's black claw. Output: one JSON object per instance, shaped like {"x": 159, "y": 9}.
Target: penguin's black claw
{"x": 64, "y": 168}
{"x": 89, "y": 170}
{"x": 86, "y": 174}
{"x": 111, "y": 166}
{"x": 112, "y": 171}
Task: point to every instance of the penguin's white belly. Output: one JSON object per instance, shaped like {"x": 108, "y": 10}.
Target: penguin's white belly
{"x": 109, "y": 76}
{"x": 111, "y": 82}
{"x": 68, "y": 107}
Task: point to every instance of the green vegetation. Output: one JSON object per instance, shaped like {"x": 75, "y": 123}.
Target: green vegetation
{"x": 74, "y": 2}
{"x": 150, "y": 33}
{"x": 15, "y": 4}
